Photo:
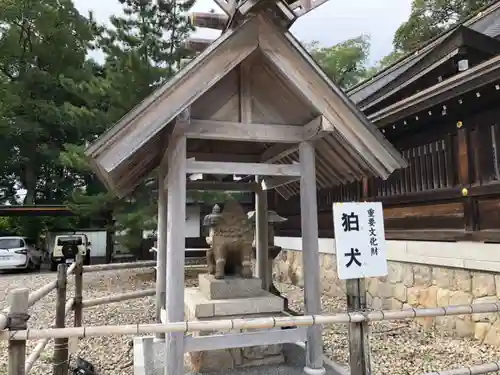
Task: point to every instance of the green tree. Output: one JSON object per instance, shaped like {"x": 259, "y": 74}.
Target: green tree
{"x": 142, "y": 50}
{"x": 429, "y": 18}
{"x": 345, "y": 62}
{"x": 43, "y": 44}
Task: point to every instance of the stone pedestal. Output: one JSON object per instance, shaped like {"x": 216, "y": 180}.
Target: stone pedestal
{"x": 231, "y": 298}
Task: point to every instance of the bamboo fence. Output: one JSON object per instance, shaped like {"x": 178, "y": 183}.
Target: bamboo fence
{"x": 17, "y": 334}
{"x": 22, "y": 300}
{"x": 252, "y": 323}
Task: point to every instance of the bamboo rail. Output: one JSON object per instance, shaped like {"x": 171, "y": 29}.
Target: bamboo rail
{"x": 3, "y": 318}
{"x": 40, "y": 346}
{"x": 118, "y": 266}
{"x": 75, "y": 303}
{"x": 118, "y": 297}
{"x": 472, "y": 370}
{"x": 254, "y": 323}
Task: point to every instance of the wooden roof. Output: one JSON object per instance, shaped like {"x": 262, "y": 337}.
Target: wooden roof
{"x": 289, "y": 89}
{"x": 485, "y": 21}
{"x": 455, "y": 86}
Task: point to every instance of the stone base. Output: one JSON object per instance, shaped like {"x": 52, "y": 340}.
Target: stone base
{"x": 149, "y": 359}
{"x": 229, "y": 287}
{"x": 199, "y": 307}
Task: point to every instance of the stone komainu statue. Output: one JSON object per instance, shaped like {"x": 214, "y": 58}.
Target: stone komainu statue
{"x": 231, "y": 236}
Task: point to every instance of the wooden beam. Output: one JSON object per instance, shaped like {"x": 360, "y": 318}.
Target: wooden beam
{"x": 273, "y": 182}
{"x": 216, "y": 21}
{"x": 302, "y": 7}
{"x": 153, "y": 114}
{"x": 245, "y": 90}
{"x": 161, "y": 253}
{"x": 310, "y": 255}
{"x": 197, "y": 44}
{"x": 317, "y": 128}
{"x": 226, "y": 5}
{"x": 209, "y": 156}
{"x": 261, "y": 237}
{"x": 176, "y": 197}
{"x": 289, "y": 58}
{"x": 244, "y": 339}
{"x": 256, "y": 169}
{"x": 222, "y": 186}
{"x": 277, "y": 152}
{"x": 239, "y": 131}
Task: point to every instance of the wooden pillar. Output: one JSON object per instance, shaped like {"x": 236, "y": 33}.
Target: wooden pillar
{"x": 61, "y": 356}
{"x": 17, "y": 320}
{"x": 464, "y": 165}
{"x": 161, "y": 247}
{"x": 359, "y": 339}
{"x": 77, "y": 305}
{"x": 261, "y": 236}
{"x": 310, "y": 256}
{"x": 176, "y": 215}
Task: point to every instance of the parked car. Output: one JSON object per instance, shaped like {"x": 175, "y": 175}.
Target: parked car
{"x": 19, "y": 253}
{"x": 67, "y": 246}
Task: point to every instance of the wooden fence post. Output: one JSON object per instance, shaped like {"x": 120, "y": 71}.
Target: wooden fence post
{"x": 60, "y": 359}
{"x": 359, "y": 337}
{"x": 17, "y": 320}
{"x": 78, "y": 308}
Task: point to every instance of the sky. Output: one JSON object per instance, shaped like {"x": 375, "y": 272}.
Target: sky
{"x": 330, "y": 23}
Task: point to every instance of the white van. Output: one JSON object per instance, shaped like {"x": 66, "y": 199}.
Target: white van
{"x": 19, "y": 253}
{"x": 66, "y": 246}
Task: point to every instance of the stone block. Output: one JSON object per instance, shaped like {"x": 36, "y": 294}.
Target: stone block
{"x": 198, "y": 306}
{"x": 422, "y": 275}
{"x": 481, "y": 330}
{"x": 443, "y": 277}
{"x": 485, "y": 317}
{"x": 483, "y": 284}
{"x": 230, "y": 287}
{"x": 465, "y": 327}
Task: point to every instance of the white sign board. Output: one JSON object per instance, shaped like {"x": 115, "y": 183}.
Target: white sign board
{"x": 360, "y": 240}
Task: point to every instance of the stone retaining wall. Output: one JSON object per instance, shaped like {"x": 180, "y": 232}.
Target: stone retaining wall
{"x": 413, "y": 285}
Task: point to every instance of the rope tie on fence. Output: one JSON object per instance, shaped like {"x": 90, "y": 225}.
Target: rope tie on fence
{"x": 17, "y": 321}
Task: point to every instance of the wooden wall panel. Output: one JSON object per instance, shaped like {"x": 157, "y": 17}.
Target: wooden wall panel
{"x": 442, "y": 216}
{"x": 489, "y": 213}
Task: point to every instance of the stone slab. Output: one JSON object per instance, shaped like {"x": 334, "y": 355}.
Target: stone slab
{"x": 230, "y": 287}
{"x": 198, "y": 306}
{"x": 149, "y": 359}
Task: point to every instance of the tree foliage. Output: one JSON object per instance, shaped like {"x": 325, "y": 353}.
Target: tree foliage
{"x": 55, "y": 99}
{"x": 429, "y": 18}
{"x": 345, "y": 62}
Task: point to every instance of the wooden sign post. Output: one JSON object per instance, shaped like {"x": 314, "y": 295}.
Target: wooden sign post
{"x": 361, "y": 252}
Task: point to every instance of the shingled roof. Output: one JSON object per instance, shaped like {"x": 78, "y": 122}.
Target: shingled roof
{"x": 124, "y": 155}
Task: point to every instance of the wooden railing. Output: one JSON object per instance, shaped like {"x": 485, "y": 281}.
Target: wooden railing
{"x": 15, "y": 317}
{"x": 17, "y": 337}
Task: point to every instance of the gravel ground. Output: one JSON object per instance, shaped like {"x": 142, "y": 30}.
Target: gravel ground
{"x": 398, "y": 348}
{"x": 111, "y": 355}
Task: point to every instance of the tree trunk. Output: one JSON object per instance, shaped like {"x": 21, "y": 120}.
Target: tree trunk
{"x": 110, "y": 237}
{"x": 29, "y": 185}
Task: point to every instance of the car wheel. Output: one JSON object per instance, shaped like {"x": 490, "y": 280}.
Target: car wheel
{"x": 53, "y": 265}
{"x": 86, "y": 260}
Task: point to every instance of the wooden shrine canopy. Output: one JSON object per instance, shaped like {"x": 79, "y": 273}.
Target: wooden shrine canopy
{"x": 252, "y": 97}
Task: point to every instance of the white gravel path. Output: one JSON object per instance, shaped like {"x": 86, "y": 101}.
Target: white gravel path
{"x": 398, "y": 348}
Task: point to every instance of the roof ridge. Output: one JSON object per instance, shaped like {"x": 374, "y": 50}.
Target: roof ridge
{"x": 480, "y": 14}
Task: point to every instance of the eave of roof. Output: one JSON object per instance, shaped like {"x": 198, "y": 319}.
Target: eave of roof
{"x": 365, "y": 88}
{"x": 468, "y": 80}
{"x": 365, "y": 149}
